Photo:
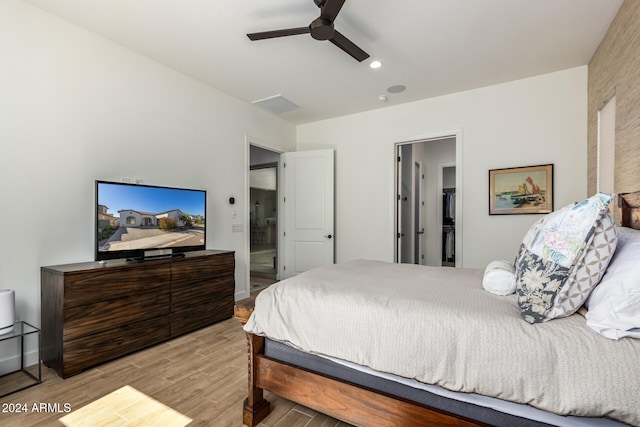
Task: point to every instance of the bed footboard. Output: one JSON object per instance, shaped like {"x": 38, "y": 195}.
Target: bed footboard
{"x": 256, "y": 407}
{"x": 347, "y": 402}
{"x": 338, "y": 399}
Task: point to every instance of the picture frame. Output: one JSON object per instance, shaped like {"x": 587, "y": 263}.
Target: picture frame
{"x": 521, "y": 190}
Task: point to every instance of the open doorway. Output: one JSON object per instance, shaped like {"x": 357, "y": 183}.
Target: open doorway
{"x": 263, "y": 215}
{"x": 427, "y": 215}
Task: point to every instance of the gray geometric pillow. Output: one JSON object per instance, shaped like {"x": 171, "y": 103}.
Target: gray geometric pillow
{"x": 589, "y": 270}
{"x": 562, "y": 258}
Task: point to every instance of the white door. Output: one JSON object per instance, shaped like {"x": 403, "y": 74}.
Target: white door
{"x": 404, "y": 201}
{"x": 308, "y": 210}
{"x": 418, "y": 228}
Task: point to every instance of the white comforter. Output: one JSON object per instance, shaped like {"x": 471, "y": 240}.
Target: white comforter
{"x": 438, "y": 326}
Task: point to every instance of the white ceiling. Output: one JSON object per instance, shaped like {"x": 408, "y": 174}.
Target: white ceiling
{"x": 433, "y": 47}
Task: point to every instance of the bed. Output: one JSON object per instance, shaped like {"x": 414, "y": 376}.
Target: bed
{"x": 444, "y": 352}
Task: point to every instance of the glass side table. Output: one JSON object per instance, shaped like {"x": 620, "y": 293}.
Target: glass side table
{"x": 20, "y": 331}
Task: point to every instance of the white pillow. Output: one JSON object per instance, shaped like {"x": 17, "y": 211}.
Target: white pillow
{"x": 614, "y": 305}
{"x": 499, "y": 278}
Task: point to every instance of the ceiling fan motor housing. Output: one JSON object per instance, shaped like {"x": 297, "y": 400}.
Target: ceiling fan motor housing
{"x": 321, "y": 29}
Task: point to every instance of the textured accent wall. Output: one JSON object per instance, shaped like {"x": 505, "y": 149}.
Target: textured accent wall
{"x": 615, "y": 69}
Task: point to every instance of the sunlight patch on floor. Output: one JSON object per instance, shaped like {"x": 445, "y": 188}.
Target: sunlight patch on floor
{"x": 125, "y": 407}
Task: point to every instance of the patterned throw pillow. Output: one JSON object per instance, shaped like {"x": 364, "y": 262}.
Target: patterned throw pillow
{"x": 563, "y": 257}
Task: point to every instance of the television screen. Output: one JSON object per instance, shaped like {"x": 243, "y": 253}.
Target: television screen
{"x": 134, "y": 221}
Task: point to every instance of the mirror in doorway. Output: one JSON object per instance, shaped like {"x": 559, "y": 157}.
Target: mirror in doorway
{"x": 263, "y": 202}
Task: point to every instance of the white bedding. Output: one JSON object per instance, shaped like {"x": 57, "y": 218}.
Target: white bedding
{"x": 438, "y": 326}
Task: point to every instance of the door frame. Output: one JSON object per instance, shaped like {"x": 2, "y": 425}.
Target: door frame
{"x": 249, "y": 141}
{"x": 458, "y": 135}
{"x": 275, "y": 165}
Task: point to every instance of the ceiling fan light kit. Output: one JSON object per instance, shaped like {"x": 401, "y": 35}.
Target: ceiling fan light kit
{"x": 321, "y": 28}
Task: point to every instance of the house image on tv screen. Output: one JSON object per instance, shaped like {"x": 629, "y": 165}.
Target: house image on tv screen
{"x": 133, "y": 218}
{"x": 133, "y": 229}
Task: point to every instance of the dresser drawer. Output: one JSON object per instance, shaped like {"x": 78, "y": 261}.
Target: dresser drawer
{"x": 85, "y": 352}
{"x": 98, "y": 285}
{"x": 108, "y": 314}
{"x": 211, "y": 289}
{"x": 201, "y": 315}
{"x": 192, "y": 271}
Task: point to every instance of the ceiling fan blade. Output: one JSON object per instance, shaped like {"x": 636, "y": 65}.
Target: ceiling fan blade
{"x": 330, "y": 9}
{"x": 278, "y": 33}
{"x": 348, "y": 46}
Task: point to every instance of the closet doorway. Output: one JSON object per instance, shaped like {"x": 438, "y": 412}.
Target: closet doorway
{"x": 263, "y": 215}
{"x": 427, "y": 214}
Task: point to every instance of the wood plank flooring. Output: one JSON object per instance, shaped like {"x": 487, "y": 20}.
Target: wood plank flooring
{"x": 202, "y": 375}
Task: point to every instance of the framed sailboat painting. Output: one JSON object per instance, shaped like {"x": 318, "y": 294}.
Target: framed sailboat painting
{"x": 521, "y": 190}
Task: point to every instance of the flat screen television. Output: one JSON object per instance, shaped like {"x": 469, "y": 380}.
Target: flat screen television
{"x": 143, "y": 221}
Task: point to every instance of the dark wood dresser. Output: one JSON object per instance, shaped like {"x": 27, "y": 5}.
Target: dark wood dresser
{"x": 94, "y": 312}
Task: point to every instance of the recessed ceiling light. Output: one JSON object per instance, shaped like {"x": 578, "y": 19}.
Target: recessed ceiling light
{"x": 396, "y": 89}
{"x": 375, "y": 64}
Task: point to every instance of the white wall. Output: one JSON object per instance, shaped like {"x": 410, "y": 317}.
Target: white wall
{"x": 532, "y": 121}
{"x": 75, "y": 107}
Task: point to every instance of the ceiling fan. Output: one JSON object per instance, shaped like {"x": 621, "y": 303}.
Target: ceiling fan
{"x": 320, "y": 28}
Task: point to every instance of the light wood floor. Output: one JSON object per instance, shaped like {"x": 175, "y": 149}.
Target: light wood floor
{"x": 202, "y": 375}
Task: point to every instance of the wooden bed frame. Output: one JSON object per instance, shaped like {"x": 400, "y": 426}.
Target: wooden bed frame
{"x": 345, "y": 401}
{"x": 629, "y": 204}
{"x": 341, "y": 400}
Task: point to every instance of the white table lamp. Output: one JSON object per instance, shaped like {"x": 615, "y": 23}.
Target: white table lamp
{"x": 7, "y": 310}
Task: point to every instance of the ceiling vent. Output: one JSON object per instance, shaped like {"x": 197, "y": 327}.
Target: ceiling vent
{"x": 276, "y": 104}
